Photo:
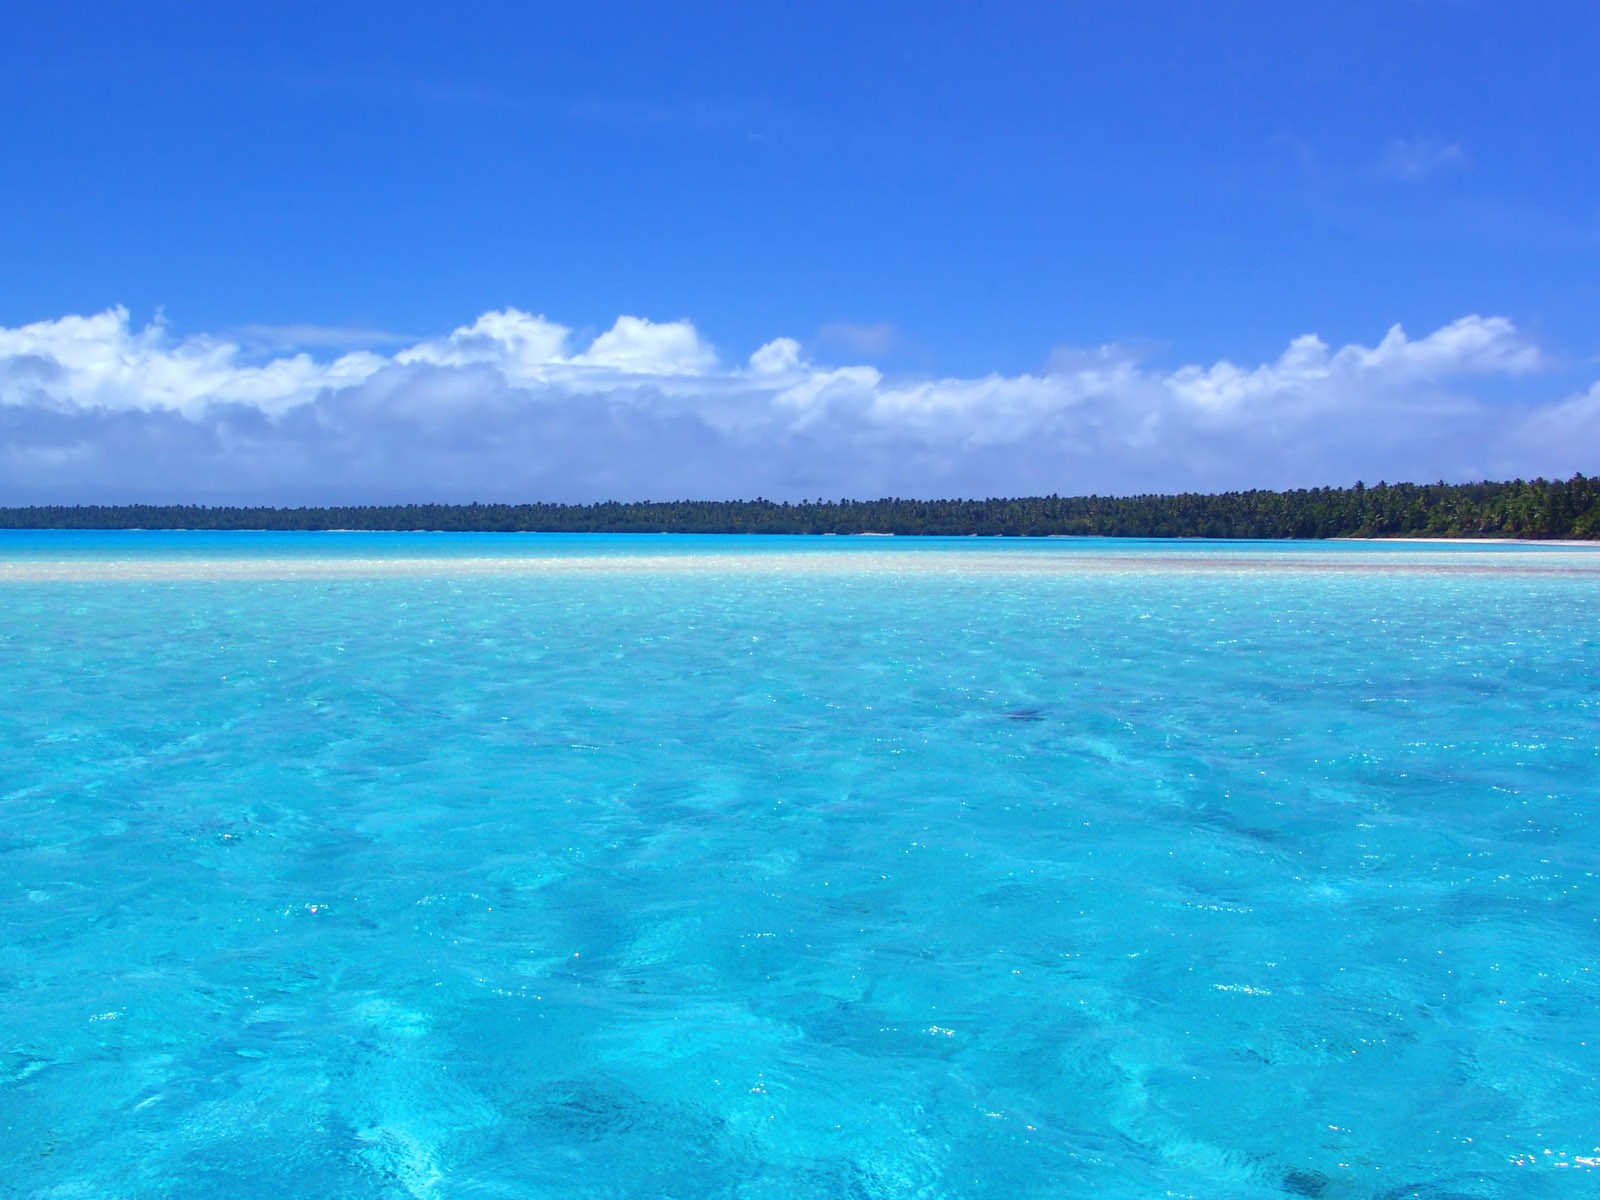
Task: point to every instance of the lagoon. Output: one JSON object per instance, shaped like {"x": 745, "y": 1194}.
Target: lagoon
{"x": 549, "y": 865}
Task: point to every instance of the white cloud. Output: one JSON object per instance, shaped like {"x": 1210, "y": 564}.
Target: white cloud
{"x": 518, "y": 343}
{"x": 777, "y": 357}
{"x": 100, "y": 362}
{"x": 505, "y": 408}
{"x": 1307, "y": 369}
{"x": 643, "y": 347}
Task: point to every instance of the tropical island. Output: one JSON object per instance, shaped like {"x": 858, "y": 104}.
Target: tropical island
{"x": 1537, "y": 509}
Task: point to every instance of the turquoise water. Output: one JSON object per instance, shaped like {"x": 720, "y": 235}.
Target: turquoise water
{"x": 437, "y": 866}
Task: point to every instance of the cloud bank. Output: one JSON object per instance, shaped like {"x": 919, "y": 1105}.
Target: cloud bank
{"x": 512, "y": 407}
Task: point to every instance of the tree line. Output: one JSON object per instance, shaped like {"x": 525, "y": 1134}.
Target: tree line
{"x": 1537, "y": 508}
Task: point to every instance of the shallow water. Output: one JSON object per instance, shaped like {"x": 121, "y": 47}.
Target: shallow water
{"x": 428, "y": 865}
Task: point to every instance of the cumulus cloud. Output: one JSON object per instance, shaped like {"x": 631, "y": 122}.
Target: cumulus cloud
{"x": 776, "y": 357}
{"x": 515, "y": 406}
{"x": 1472, "y": 345}
{"x": 519, "y": 344}
{"x": 100, "y": 362}
{"x": 639, "y": 346}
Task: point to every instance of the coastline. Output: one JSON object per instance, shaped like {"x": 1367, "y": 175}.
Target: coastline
{"x": 1469, "y": 541}
{"x": 1538, "y": 509}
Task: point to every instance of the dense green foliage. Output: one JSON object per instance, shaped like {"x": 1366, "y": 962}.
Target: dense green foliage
{"x": 1533, "y": 509}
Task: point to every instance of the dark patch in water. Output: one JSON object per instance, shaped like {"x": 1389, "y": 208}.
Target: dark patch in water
{"x": 589, "y": 1110}
{"x": 1025, "y": 714}
{"x": 1305, "y": 1183}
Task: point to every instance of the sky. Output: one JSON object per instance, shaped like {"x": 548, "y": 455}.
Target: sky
{"x": 302, "y": 253}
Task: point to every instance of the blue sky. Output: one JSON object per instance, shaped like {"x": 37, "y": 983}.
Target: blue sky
{"x": 935, "y": 192}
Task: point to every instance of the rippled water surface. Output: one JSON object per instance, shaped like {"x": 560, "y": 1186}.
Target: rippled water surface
{"x": 437, "y": 866}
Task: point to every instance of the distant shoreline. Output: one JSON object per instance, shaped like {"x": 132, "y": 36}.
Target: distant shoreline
{"x": 1590, "y": 543}
{"x": 1538, "y": 510}
{"x": 1396, "y": 539}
